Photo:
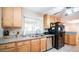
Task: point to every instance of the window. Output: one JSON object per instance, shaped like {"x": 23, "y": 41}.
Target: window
{"x": 32, "y": 26}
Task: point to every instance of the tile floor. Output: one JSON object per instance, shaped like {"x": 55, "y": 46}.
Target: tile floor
{"x": 66, "y": 48}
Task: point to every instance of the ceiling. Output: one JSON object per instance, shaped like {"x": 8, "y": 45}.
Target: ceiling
{"x": 46, "y": 10}
{"x": 67, "y": 13}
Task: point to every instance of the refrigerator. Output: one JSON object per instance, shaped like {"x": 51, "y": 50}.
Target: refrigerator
{"x": 57, "y": 29}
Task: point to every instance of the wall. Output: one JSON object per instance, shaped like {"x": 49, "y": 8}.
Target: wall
{"x": 72, "y": 26}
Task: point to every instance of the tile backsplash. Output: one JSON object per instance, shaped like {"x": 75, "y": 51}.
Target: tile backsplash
{"x": 14, "y": 31}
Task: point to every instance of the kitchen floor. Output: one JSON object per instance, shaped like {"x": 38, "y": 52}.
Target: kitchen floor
{"x": 66, "y": 48}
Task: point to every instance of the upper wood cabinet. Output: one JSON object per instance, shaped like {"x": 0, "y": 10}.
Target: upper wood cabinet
{"x": 11, "y": 17}
{"x": 17, "y": 17}
{"x": 50, "y": 19}
{"x": 46, "y": 19}
{"x": 54, "y": 19}
{"x": 7, "y": 17}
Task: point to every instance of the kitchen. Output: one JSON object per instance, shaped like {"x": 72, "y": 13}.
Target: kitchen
{"x": 26, "y": 29}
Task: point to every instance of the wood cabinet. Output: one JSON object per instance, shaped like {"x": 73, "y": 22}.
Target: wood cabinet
{"x": 23, "y": 46}
{"x": 0, "y": 17}
{"x": 70, "y": 39}
{"x": 17, "y": 17}
{"x": 46, "y": 19}
{"x": 35, "y": 45}
{"x": 43, "y": 44}
{"x": 27, "y": 45}
{"x": 9, "y": 50}
{"x": 10, "y": 47}
{"x": 7, "y": 17}
{"x": 21, "y": 43}
{"x": 54, "y": 19}
{"x": 50, "y": 19}
{"x": 49, "y": 43}
{"x": 11, "y": 17}
{"x": 2, "y": 46}
{"x": 66, "y": 39}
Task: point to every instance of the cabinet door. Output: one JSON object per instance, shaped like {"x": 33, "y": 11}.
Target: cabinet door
{"x": 43, "y": 44}
{"x": 52, "y": 19}
{"x": 35, "y": 45}
{"x": 66, "y": 39}
{"x": 49, "y": 43}
{"x": 2, "y": 47}
{"x": 17, "y": 17}
{"x": 0, "y": 17}
{"x": 8, "y": 50}
{"x": 22, "y": 48}
{"x": 27, "y": 45}
{"x": 7, "y": 17}
{"x": 72, "y": 39}
{"x": 46, "y": 21}
{"x": 10, "y": 45}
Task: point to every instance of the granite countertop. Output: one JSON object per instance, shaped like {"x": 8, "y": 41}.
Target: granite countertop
{"x": 5, "y": 41}
{"x": 70, "y": 32}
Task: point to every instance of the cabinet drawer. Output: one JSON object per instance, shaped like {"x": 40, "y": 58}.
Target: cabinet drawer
{"x": 10, "y": 45}
{"x": 20, "y": 43}
{"x": 2, "y": 47}
{"x": 27, "y": 42}
{"x": 21, "y": 49}
{"x": 8, "y": 50}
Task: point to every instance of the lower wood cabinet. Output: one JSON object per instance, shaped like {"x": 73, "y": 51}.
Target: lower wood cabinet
{"x": 9, "y": 50}
{"x": 66, "y": 39}
{"x": 23, "y": 46}
{"x": 35, "y": 45}
{"x": 43, "y": 44}
{"x": 70, "y": 39}
{"x": 27, "y": 45}
{"x": 2, "y": 47}
{"x": 9, "y": 47}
